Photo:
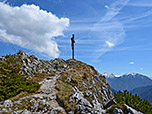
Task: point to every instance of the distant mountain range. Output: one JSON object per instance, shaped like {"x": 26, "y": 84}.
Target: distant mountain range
{"x": 144, "y": 92}
{"x": 127, "y": 81}
{"x": 135, "y": 83}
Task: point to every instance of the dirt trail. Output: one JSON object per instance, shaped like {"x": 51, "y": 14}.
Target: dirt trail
{"x": 48, "y": 91}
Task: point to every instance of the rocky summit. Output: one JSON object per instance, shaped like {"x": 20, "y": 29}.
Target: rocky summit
{"x": 64, "y": 87}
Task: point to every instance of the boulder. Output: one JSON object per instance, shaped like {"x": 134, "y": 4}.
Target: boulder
{"x": 117, "y": 111}
{"x": 4, "y": 111}
{"x": 2, "y": 58}
{"x": 17, "y": 112}
{"x": 8, "y": 103}
{"x": 46, "y": 91}
{"x": 89, "y": 93}
{"x": 71, "y": 112}
{"x": 97, "y": 106}
{"x": 26, "y": 112}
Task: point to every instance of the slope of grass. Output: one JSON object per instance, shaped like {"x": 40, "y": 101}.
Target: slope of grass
{"x": 81, "y": 75}
{"x": 12, "y": 82}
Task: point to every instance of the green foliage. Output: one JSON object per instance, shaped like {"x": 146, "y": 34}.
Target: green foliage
{"x": 120, "y": 106}
{"x": 11, "y": 80}
{"x": 134, "y": 101}
{"x": 85, "y": 76}
{"x": 65, "y": 91}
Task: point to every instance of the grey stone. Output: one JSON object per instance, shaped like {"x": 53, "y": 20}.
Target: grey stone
{"x": 17, "y": 112}
{"x": 46, "y": 91}
{"x": 117, "y": 111}
{"x": 3, "y": 111}
{"x": 46, "y": 98}
{"x": 97, "y": 77}
{"x": 8, "y": 103}
{"x": 14, "y": 113}
{"x": 42, "y": 102}
{"x": 76, "y": 96}
{"x": 93, "y": 82}
{"x": 69, "y": 78}
{"x": 89, "y": 93}
{"x": 26, "y": 112}
{"x": 71, "y": 112}
{"x": 34, "y": 105}
{"x": 2, "y": 58}
{"x": 91, "y": 70}
{"x": 130, "y": 111}
{"x": 52, "y": 111}
{"x": 90, "y": 87}
{"x": 85, "y": 85}
{"x": 96, "y": 105}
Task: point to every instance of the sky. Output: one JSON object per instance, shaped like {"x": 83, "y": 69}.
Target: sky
{"x": 112, "y": 35}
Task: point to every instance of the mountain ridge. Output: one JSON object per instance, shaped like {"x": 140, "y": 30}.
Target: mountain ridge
{"x": 111, "y": 75}
{"x": 66, "y": 86}
{"x": 144, "y": 92}
{"x": 128, "y": 81}
{"x": 57, "y": 86}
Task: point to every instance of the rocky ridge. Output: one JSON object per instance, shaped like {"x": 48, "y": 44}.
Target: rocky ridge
{"x": 66, "y": 86}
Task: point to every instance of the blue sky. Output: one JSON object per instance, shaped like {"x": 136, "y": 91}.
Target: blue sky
{"x": 112, "y": 35}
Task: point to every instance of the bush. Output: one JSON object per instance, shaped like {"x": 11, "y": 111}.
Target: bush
{"x": 11, "y": 80}
{"x": 134, "y": 101}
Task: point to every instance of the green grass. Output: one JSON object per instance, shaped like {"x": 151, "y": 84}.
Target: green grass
{"x": 120, "y": 106}
{"x": 40, "y": 77}
{"x": 12, "y": 82}
{"x": 80, "y": 74}
{"x": 65, "y": 91}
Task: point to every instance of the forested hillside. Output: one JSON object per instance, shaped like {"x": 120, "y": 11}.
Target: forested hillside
{"x": 133, "y": 101}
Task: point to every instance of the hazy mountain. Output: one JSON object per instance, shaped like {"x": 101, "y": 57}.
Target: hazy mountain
{"x": 127, "y": 81}
{"x": 144, "y": 92}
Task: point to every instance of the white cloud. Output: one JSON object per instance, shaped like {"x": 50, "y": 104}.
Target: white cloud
{"x": 114, "y": 9}
{"x": 110, "y": 28}
{"x": 110, "y": 44}
{"x": 131, "y": 63}
{"x": 31, "y": 28}
{"x": 95, "y": 33}
{"x": 140, "y": 3}
{"x": 106, "y": 6}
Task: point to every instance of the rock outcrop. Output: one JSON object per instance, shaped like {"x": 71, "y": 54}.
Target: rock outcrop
{"x": 117, "y": 111}
{"x": 67, "y": 86}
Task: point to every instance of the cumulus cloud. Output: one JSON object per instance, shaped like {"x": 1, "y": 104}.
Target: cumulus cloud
{"x": 110, "y": 44}
{"x": 32, "y": 28}
{"x": 131, "y": 63}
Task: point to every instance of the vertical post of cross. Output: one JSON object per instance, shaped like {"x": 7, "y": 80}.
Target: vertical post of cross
{"x": 72, "y": 45}
{"x": 73, "y": 54}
